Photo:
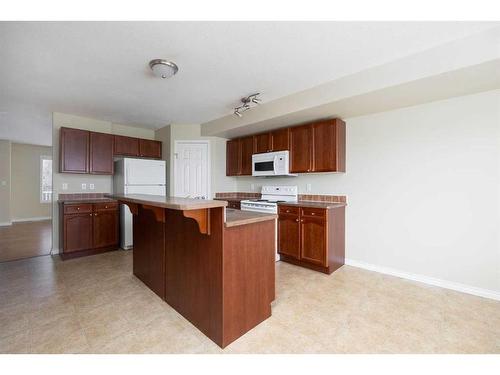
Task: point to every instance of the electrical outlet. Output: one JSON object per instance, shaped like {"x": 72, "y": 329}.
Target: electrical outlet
{"x": 84, "y": 186}
{"x": 4, "y": 183}
{"x": 308, "y": 188}
{"x": 91, "y": 186}
{"x": 65, "y": 186}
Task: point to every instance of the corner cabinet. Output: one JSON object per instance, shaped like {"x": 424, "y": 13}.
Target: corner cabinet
{"x": 88, "y": 228}
{"x": 315, "y": 147}
{"x": 312, "y": 237}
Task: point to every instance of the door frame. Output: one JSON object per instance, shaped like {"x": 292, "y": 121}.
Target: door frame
{"x": 209, "y": 162}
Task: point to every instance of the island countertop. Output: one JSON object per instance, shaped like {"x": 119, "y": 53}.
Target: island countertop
{"x": 236, "y": 218}
{"x": 173, "y": 203}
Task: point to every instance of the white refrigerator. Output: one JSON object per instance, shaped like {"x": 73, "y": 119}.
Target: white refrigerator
{"x": 137, "y": 176}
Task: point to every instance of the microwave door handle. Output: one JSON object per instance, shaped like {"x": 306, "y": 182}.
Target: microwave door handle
{"x": 275, "y": 164}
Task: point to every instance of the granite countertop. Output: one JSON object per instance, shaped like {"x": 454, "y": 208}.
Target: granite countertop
{"x": 86, "y": 200}
{"x": 314, "y": 204}
{"x": 173, "y": 203}
{"x": 235, "y": 218}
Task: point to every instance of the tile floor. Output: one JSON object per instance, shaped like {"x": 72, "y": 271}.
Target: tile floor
{"x": 96, "y": 305}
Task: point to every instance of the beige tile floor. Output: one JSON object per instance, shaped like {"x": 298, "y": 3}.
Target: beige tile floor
{"x": 96, "y": 305}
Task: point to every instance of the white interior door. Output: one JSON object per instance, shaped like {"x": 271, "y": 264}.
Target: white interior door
{"x": 192, "y": 169}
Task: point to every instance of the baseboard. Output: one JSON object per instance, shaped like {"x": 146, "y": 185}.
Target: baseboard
{"x": 6, "y": 224}
{"x": 486, "y": 293}
{"x": 39, "y": 218}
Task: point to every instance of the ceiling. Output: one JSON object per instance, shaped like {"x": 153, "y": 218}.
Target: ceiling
{"x": 99, "y": 69}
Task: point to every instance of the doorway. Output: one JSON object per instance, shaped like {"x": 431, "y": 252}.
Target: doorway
{"x": 192, "y": 169}
{"x": 26, "y": 204}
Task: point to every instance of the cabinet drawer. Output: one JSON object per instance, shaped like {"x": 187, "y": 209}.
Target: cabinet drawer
{"x": 288, "y": 210}
{"x": 105, "y": 206}
{"x": 77, "y": 208}
{"x": 234, "y": 204}
{"x": 313, "y": 212}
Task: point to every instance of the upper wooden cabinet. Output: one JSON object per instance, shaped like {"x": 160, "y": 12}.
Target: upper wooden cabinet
{"x": 74, "y": 150}
{"x": 126, "y": 146}
{"x": 280, "y": 139}
{"x": 328, "y": 146}
{"x": 101, "y": 153}
{"x": 239, "y": 156}
{"x": 262, "y": 143}
{"x": 315, "y": 147}
{"x": 247, "y": 150}
{"x": 233, "y": 157}
{"x": 301, "y": 144}
{"x": 149, "y": 148}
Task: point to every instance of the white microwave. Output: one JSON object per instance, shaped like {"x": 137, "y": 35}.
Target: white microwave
{"x": 271, "y": 164}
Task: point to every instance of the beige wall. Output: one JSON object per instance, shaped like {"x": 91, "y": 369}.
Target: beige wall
{"x": 5, "y": 182}
{"x": 25, "y": 171}
{"x": 102, "y": 184}
{"x": 184, "y": 132}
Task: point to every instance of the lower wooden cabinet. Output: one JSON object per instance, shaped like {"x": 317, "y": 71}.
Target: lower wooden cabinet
{"x": 88, "y": 228}
{"x": 312, "y": 237}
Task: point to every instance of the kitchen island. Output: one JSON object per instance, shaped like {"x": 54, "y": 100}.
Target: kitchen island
{"x": 216, "y": 271}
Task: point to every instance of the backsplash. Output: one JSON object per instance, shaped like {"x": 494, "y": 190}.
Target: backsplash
{"x": 77, "y": 196}
{"x": 302, "y": 197}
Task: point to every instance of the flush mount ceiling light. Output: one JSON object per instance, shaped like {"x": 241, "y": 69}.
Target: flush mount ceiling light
{"x": 247, "y": 101}
{"x": 163, "y": 68}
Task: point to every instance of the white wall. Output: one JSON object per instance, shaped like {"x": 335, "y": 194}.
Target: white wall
{"x": 423, "y": 187}
{"x": 5, "y": 181}
{"x": 102, "y": 184}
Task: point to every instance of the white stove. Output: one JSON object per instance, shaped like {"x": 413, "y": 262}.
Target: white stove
{"x": 270, "y": 197}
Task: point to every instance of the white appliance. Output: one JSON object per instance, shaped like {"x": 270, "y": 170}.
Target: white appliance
{"x": 271, "y": 164}
{"x": 137, "y": 176}
{"x": 270, "y": 197}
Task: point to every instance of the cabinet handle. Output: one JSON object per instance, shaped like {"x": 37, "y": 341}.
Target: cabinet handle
{"x": 90, "y": 214}
{"x": 107, "y": 207}
{"x": 297, "y": 220}
{"x": 301, "y": 221}
{"x": 95, "y": 214}
{"x": 287, "y": 210}
{"x": 312, "y": 213}
{"x": 78, "y": 208}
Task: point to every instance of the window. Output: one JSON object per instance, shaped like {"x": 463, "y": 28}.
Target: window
{"x": 45, "y": 179}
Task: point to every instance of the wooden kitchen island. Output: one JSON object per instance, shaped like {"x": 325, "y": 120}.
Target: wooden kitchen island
{"x": 216, "y": 271}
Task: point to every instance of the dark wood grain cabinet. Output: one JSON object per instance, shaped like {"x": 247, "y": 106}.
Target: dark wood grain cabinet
{"x": 233, "y": 157}
{"x": 239, "y": 156}
{"x": 126, "y": 146}
{"x": 88, "y": 228}
{"x": 149, "y": 148}
{"x": 312, "y": 237}
{"x": 301, "y": 149}
{"x": 101, "y": 153}
{"x": 74, "y": 150}
{"x": 315, "y": 147}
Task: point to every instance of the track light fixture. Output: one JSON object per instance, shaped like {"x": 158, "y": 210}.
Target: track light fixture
{"x": 247, "y": 101}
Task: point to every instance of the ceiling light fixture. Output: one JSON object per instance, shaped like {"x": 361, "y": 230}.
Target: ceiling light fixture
{"x": 163, "y": 68}
{"x": 247, "y": 104}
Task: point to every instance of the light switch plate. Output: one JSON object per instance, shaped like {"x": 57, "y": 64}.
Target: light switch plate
{"x": 84, "y": 186}
{"x": 4, "y": 183}
{"x": 91, "y": 186}
{"x": 65, "y": 186}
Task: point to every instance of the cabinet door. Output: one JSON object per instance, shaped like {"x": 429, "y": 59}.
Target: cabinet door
{"x": 313, "y": 240}
{"x": 329, "y": 146}
{"x": 233, "y": 157}
{"x": 101, "y": 153}
{"x": 77, "y": 232}
{"x": 126, "y": 146}
{"x": 105, "y": 228}
{"x": 300, "y": 148}
{"x": 73, "y": 151}
{"x": 149, "y": 148}
{"x": 246, "y": 156}
{"x": 280, "y": 140}
{"x": 262, "y": 143}
{"x": 289, "y": 235}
